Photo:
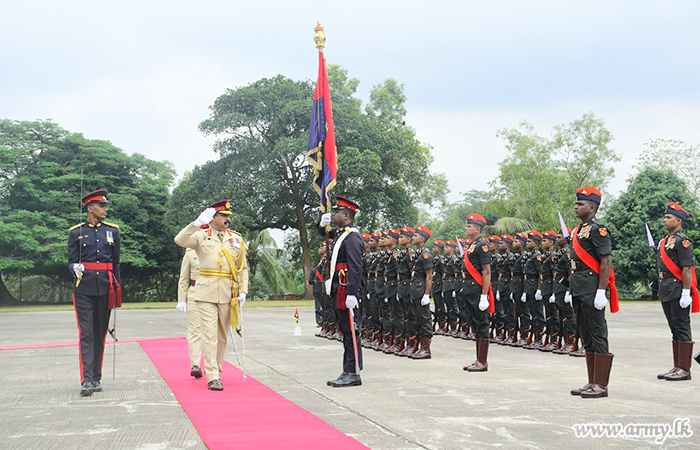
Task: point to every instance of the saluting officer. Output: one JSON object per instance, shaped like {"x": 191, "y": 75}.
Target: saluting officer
{"x": 591, "y": 270}
{"x": 676, "y": 280}
{"x": 223, "y": 279}
{"x": 346, "y": 277}
{"x": 94, "y": 249}
{"x": 477, "y": 289}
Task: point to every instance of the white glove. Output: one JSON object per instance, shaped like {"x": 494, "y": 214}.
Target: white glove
{"x": 425, "y": 300}
{"x": 397, "y": 297}
{"x": 325, "y": 219}
{"x": 78, "y": 269}
{"x": 241, "y": 299}
{"x": 386, "y": 300}
{"x": 368, "y": 294}
{"x": 523, "y": 298}
{"x": 600, "y": 299}
{"x": 181, "y": 306}
{"x": 552, "y": 299}
{"x": 511, "y": 296}
{"x": 567, "y": 297}
{"x": 205, "y": 217}
{"x": 454, "y": 294}
{"x": 685, "y": 300}
{"x": 484, "y": 302}
{"x": 350, "y": 302}
{"x": 498, "y": 296}
{"x": 538, "y": 295}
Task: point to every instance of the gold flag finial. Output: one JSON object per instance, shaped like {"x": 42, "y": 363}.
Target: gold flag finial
{"x": 319, "y": 37}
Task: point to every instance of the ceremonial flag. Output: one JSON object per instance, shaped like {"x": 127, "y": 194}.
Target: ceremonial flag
{"x": 321, "y": 151}
{"x": 564, "y": 231}
{"x": 296, "y": 315}
{"x": 650, "y": 238}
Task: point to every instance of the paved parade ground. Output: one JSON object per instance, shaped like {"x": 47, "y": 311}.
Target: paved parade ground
{"x": 522, "y": 402}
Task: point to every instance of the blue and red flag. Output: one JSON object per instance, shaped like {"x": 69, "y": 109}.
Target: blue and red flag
{"x": 321, "y": 150}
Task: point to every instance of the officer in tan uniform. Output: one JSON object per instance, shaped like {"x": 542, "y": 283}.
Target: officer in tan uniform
{"x": 222, "y": 284}
{"x": 189, "y": 272}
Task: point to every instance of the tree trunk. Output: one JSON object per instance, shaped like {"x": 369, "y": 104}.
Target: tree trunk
{"x": 6, "y": 298}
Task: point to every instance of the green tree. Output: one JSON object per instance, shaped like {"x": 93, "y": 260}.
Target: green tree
{"x": 644, "y": 202}
{"x": 683, "y": 159}
{"x": 268, "y": 262}
{"x": 262, "y": 133}
{"x": 44, "y": 169}
{"x": 540, "y": 175}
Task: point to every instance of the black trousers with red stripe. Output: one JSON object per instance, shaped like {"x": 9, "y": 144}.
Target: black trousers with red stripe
{"x": 93, "y": 320}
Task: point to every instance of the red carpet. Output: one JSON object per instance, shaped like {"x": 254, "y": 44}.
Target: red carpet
{"x": 246, "y": 414}
{"x": 68, "y": 344}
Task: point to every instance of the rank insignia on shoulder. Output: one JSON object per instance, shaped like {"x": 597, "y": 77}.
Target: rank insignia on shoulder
{"x": 603, "y": 231}
{"x": 686, "y": 243}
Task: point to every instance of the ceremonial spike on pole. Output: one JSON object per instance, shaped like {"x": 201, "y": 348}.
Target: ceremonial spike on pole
{"x": 564, "y": 231}
{"x": 297, "y": 329}
{"x": 649, "y": 237}
{"x": 461, "y": 249}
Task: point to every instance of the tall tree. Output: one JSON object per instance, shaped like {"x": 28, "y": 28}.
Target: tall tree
{"x": 43, "y": 171}
{"x": 644, "y": 202}
{"x": 683, "y": 159}
{"x": 262, "y": 132}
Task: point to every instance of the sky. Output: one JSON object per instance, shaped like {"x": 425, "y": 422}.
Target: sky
{"x": 143, "y": 74}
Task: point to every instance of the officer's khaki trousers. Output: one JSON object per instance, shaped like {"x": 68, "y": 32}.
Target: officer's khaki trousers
{"x": 216, "y": 321}
{"x": 194, "y": 331}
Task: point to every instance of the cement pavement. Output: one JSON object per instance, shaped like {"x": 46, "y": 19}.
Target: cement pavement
{"x": 522, "y": 402}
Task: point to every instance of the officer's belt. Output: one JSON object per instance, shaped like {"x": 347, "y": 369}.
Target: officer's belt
{"x": 379, "y": 274}
{"x": 578, "y": 265}
{"x": 209, "y": 273}
{"x": 390, "y": 278}
{"x": 663, "y": 274}
{"x": 404, "y": 277}
{"x": 562, "y": 274}
{"x": 547, "y": 277}
{"x": 531, "y": 277}
{"x": 98, "y": 265}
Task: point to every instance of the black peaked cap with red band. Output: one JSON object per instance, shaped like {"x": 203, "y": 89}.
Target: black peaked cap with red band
{"x": 222, "y": 206}
{"x": 99, "y": 196}
{"x": 345, "y": 203}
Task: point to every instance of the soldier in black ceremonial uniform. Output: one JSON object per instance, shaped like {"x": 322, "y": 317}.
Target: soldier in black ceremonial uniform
{"x": 440, "y": 318}
{"x": 567, "y": 323}
{"x": 318, "y": 275}
{"x": 94, "y": 249}
{"x": 533, "y": 290}
{"x": 517, "y": 288}
{"x": 370, "y": 292}
{"x": 448, "y": 288}
{"x": 421, "y": 285}
{"x": 676, "y": 281}
{"x": 503, "y": 264}
{"x": 497, "y": 320}
{"x": 477, "y": 289}
{"x": 405, "y": 314}
{"x": 346, "y": 276}
{"x": 465, "y": 318}
{"x": 591, "y": 246}
{"x": 390, "y": 302}
{"x": 549, "y": 260}
{"x": 317, "y": 285}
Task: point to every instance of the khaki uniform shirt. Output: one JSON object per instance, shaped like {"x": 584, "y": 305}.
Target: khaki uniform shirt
{"x": 209, "y": 252}
{"x": 189, "y": 271}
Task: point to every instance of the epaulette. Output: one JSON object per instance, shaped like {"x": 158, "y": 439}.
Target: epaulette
{"x": 111, "y": 224}
{"x": 76, "y": 226}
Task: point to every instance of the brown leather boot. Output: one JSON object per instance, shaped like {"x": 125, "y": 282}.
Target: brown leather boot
{"x": 378, "y": 340}
{"x": 338, "y": 336}
{"x": 662, "y": 376}
{"x": 445, "y": 328}
{"x": 454, "y": 329}
{"x": 498, "y": 335}
{"x": 414, "y": 348}
{"x": 482, "y": 353}
{"x": 524, "y": 338}
{"x": 578, "y": 350}
{"x": 536, "y": 342}
{"x": 424, "y": 352}
{"x": 590, "y": 365}
{"x": 463, "y": 331}
{"x": 601, "y": 376}
{"x": 567, "y": 345}
{"x": 471, "y": 335}
{"x": 685, "y": 359}
{"x": 387, "y": 341}
{"x": 408, "y": 349}
{"x": 399, "y": 345}
{"x": 554, "y": 343}
{"x": 510, "y": 340}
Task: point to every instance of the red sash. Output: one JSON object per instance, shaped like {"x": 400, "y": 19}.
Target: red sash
{"x": 678, "y": 273}
{"x": 594, "y": 264}
{"x": 115, "y": 291}
{"x": 318, "y": 274}
{"x": 479, "y": 279}
{"x": 342, "y": 270}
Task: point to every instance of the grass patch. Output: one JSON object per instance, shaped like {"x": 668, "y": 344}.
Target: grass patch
{"x": 149, "y": 305}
